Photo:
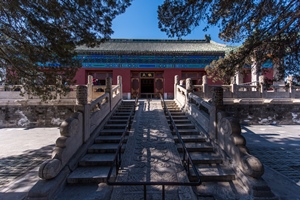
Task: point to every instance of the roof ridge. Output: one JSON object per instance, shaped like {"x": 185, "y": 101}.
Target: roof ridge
{"x": 158, "y": 40}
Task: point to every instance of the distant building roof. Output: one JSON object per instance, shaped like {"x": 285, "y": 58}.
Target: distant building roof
{"x": 151, "y": 46}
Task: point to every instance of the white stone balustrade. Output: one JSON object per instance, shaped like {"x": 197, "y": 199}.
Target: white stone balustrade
{"x": 80, "y": 128}
{"x": 225, "y": 131}
{"x": 249, "y": 91}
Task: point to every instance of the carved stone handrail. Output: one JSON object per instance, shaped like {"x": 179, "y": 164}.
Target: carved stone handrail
{"x": 250, "y": 90}
{"x": 225, "y": 131}
{"x": 77, "y": 130}
{"x": 66, "y": 145}
{"x": 229, "y": 138}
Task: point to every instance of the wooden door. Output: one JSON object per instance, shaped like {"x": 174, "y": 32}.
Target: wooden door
{"x": 135, "y": 87}
{"x": 159, "y": 86}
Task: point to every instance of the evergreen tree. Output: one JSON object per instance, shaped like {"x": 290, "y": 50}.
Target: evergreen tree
{"x": 269, "y": 30}
{"x": 38, "y": 39}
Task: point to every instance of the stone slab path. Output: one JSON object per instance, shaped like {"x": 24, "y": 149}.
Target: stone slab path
{"x": 277, "y": 147}
{"x": 21, "y": 152}
{"x": 151, "y": 155}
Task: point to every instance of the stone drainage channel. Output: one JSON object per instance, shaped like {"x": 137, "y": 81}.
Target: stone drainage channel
{"x": 152, "y": 158}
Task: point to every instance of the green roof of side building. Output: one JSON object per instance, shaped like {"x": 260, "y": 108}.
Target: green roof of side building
{"x": 156, "y": 47}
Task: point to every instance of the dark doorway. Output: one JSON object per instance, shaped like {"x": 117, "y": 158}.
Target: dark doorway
{"x": 147, "y": 85}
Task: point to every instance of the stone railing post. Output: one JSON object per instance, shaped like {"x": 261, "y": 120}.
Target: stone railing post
{"x": 119, "y": 82}
{"x": 232, "y": 87}
{"x": 58, "y": 83}
{"x": 189, "y": 88}
{"x": 217, "y": 99}
{"x": 234, "y": 91}
{"x": 181, "y": 82}
{"x": 26, "y": 96}
{"x": 176, "y": 82}
{"x": 217, "y": 105}
{"x": 239, "y": 78}
{"x": 82, "y": 99}
{"x": 290, "y": 82}
{"x": 189, "y": 85}
{"x": 90, "y": 88}
{"x": 108, "y": 89}
{"x": 81, "y": 95}
{"x": 261, "y": 84}
{"x": 204, "y": 86}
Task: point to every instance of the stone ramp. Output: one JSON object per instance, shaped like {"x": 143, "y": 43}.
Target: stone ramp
{"x": 151, "y": 155}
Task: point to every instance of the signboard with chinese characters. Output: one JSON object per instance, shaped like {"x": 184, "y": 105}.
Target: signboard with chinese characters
{"x": 147, "y": 74}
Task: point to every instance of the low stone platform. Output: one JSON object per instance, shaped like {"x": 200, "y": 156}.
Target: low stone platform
{"x": 265, "y": 142}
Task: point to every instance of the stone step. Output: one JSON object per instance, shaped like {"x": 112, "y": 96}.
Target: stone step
{"x": 181, "y": 121}
{"x": 117, "y": 121}
{"x": 177, "y": 117}
{"x": 174, "y": 109}
{"x": 89, "y": 175}
{"x": 118, "y": 117}
{"x": 171, "y": 103}
{"x": 189, "y": 132}
{"x": 122, "y": 113}
{"x": 191, "y": 138}
{"x": 126, "y": 107}
{"x": 109, "y": 139}
{"x": 112, "y": 132}
{"x": 206, "y": 158}
{"x": 185, "y": 126}
{"x": 101, "y": 159}
{"x": 115, "y": 126}
{"x": 196, "y": 147}
{"x": 213, "y": 173}
{"x": 104, "y": 148}
{"x": 177, "y": 113}
{"x": 172, "y": 106}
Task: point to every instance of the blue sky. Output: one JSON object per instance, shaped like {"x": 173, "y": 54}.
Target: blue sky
{"x": 140, "y": 22}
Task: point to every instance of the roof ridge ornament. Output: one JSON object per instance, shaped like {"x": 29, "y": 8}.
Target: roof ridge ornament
{"x": 207, "y": 37}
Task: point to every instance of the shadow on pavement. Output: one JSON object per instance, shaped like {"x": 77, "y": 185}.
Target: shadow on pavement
{"x": 13, "y": 167}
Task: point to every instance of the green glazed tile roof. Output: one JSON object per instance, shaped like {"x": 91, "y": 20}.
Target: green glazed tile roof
{"x": 143, "y": 46}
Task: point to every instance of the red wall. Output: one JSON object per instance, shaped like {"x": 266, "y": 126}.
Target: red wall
{"x": 168, "y": 74}
{"x": 81, "y": 77}
{"x": 125, "y": 73}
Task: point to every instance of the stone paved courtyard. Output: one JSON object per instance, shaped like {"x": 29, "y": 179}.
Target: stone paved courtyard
{"x": 278, "y": 147}
{"x": 12, "y": 167}
{"x": 283, "y": 160}
{"x": 21, "y": 150}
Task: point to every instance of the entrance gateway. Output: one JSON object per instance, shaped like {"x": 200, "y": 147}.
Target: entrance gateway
{"x": 147, "y": 84}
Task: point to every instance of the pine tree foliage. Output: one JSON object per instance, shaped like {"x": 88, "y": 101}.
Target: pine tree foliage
{"x": 269, "y": 30}
{"x": 38, "y": 39}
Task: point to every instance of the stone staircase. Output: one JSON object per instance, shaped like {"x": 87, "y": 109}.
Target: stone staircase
{"x": 208, "y": 162}
{"x": 218, "y": 179}
{"x": 95, "y": 164}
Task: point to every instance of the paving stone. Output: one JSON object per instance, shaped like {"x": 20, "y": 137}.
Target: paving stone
{"x": 280, "y": 155}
